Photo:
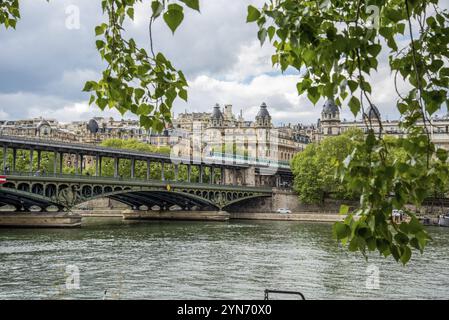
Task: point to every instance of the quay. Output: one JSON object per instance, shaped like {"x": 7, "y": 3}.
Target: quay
{"x": 39, "y": 220}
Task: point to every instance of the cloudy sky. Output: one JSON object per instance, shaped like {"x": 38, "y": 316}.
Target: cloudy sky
{"x": 44, "y": 64}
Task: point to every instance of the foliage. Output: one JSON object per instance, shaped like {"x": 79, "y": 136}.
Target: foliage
{"x": 9, "y": 13}
{"x": 336, "y": 46}
{"x": 314, "y": 168}
{"x": 143, "y": 83}
{"x": 134, "y": 80}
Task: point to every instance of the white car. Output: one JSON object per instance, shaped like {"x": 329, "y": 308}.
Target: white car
{"x": 283, "y": 210}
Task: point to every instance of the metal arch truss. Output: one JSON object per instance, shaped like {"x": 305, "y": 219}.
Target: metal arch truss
{"x": 24, "y": 192}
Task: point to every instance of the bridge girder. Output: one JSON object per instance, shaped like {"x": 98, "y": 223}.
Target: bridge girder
{"x": 67, "y": 193}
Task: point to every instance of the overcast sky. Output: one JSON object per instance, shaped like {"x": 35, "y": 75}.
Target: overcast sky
{"x": 43, "y": 64}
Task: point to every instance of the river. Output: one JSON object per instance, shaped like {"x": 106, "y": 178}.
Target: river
{"x": 208, "y": 260}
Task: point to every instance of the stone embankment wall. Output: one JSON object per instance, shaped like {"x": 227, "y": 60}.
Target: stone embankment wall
{"x": 281, "y": 199}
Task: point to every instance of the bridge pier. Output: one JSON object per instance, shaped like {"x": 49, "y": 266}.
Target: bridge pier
{"x": 116, "y": 160}
{"x": 14, "y": 159}
{"x": 61, "y": 161}
{"x": 133, "y": 167}
{"x": 31, "y": 161}
{"x": 189, "y": 172}
{"x": 5, "y": 158}
{"x": 38, "y": 160}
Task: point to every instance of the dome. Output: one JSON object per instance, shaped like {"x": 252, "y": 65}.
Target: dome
{"x": 263, "y": 112}
{"x": 43, "y": 123}
{"x": 92, "y": 126}
{"x": 373, "y": 113}
{"x": 216, "y": 113}
{"x": 330, "y": 106}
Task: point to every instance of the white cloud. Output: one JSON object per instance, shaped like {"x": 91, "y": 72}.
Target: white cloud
{"x": 279, "y": 92}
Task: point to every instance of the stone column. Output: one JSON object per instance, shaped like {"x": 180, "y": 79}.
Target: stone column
{"x": 61, "y": 162}
{"x": 148, "y": 169}
{"x": 162, "y": 171}
{"x": 249, "y": 176}
{"x": 81, "y": 163}
{"x": 116, "y": 160}
{"x": 212, "y": 174}
{"x": 133, "y": 165}
{"x": 38, "y": 160}
{"x": 5, "y": 151}
{"x": 76, "y": 163}
{"x": 14, "y": 159}
{"x": 201, "y": 173}
{"x": 222, "y": 175}
{"x": 189, "y": 172}
{"x": 55, "y": 162}
{"x": 96, "y": 165}
{"x": 176, "y": 172}
{"x": 31, "y": 160}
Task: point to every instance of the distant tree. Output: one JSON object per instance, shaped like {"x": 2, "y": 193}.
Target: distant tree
{"x": 314, "y": 168}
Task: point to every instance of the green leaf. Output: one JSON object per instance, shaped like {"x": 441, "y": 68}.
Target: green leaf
{"x": 130, "y": 13}
{"x": 156, "y": 7}
{"x": 183, "y": 94}
{"x": 353, "y": 85}
{"x": 406, "y": 255}
{"x": 374, "y": 49}
{"x": 354, "y": 105}
{"x": 253, "y": 14}
{"x": 271, "y": 31}
{"x": 193, "y": 4}
{"x": 393, "y": 14}
{"x": 174, "y": 16}
{"x": 313, "y": 95}
{"x": 344, "y": 209}
{"x": 99, "y": 30}
{"x": 341, "y": 230}
{"x": 262, "y": 35}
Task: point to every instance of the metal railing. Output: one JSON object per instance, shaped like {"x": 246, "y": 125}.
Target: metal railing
{"x": 128, "y": 179}
{"x": 268, "y": 291}
{"x": 214, "y": 158}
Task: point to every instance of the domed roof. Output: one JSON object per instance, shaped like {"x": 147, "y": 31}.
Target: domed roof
{"x": 330, "y": 106}
{"x": 92, "y": 126}
{"x": 373, "y": 113}
{"x": 216, "y": 113}
{"x": 263, "y": 112}
{"x": 43, "y": 123}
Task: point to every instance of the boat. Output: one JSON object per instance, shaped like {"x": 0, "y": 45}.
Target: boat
{"x": 443, "y": 220}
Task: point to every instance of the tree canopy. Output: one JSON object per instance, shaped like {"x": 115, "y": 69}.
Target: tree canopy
{"x": 334, "y": 45}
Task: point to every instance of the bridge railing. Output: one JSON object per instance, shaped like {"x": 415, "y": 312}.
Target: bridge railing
{"x": 214, "y": 158}
{"x": 97, "y": 147}
{"x": 127, "y": 179}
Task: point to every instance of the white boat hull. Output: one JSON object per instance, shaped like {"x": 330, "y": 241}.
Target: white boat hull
{"x": 443, "y": 221}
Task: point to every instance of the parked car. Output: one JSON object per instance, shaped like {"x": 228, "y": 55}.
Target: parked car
{"x": 283, "y": 210}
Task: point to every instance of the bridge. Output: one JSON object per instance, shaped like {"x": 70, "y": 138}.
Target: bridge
{"x": 230, "y": 181}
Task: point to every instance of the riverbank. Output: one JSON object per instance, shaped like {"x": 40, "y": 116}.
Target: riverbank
{"x": 39, "y": 220}
{"x": 207, "y": 215}
{"x": 303, "y": 216}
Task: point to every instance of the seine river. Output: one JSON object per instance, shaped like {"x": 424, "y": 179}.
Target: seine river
{"x": 201, "y": 260}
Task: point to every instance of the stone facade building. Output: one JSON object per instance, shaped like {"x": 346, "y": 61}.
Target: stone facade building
{"x": 330, "y": 124}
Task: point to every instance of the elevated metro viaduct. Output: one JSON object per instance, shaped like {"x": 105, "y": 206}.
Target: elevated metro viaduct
{"x": 239, "y": 182}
